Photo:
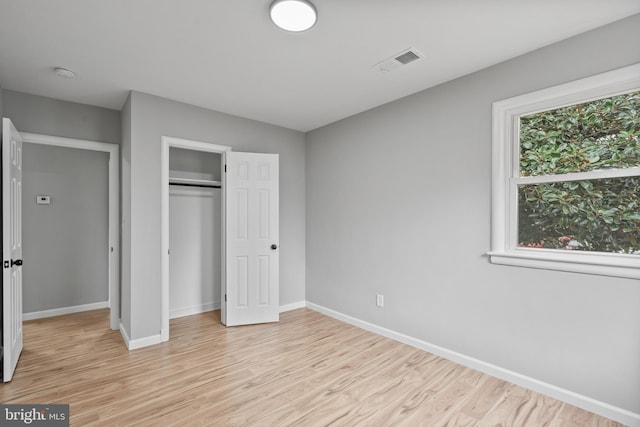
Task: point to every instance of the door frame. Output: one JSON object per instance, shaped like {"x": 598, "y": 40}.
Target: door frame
{"x": 114, "y": 208}
{"x": 167, "y": 142}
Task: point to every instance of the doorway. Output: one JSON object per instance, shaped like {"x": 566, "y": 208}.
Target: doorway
{"x": 195, "y": 225}
{"x": 170, "y": 147}
{"x": 12, "y": 192}
{"x": 112, "y": 251}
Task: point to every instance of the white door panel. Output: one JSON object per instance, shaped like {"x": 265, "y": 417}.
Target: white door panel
{"x": 11, "y": 247}
{"x": 252, "y": 238}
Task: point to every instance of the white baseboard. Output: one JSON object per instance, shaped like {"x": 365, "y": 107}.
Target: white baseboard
{"x": 601, "y": 408}
{"x": 140, "y": 342}
{"x": 188, "y": 311}
{"x": 293, "y": 306}
{"x": 64, "y": 310}
{"x": 125, "y": 336}
{"x": 196, "y": 309}
{"x": 203, "y": 308}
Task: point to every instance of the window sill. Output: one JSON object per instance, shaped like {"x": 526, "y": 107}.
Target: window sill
{"x": 626, "y": 266}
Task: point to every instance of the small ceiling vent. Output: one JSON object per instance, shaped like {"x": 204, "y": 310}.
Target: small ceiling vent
{"x": 398, "y": 60}
{"x": 407, "y": 57}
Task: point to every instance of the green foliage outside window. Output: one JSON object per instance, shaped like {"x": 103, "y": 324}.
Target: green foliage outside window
{"x": 597, "y": 214}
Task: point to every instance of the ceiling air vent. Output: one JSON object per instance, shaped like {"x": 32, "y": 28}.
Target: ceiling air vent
{"x": 398, "y": 60}
{"x": 407, "y": 57}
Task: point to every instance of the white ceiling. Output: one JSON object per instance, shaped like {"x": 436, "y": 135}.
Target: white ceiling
{"x": 226, "y": 55}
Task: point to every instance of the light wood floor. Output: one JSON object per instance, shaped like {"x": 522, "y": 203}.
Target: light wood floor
{"x": 307, "y": 370}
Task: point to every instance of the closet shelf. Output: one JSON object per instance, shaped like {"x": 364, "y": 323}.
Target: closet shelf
{"x": 194, "y": 182}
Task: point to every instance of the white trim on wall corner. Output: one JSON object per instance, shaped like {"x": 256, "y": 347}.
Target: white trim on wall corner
{"x": 293, "y": 306}
{"x": 125, "y": 336}
{"x": 140, "y": 342}
{"x": 64, "y": 310}
{"x": 601, "y": 408}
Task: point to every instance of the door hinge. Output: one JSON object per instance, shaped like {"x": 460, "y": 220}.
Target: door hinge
{"x": 225, "y": 168}
{"x": 225, "y": 297}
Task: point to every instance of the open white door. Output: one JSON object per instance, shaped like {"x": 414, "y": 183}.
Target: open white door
{"x": 11, "y": 247}
{"x": 252, "y": 239}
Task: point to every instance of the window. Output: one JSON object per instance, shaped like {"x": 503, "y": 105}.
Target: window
{"x": 566, "y": 177}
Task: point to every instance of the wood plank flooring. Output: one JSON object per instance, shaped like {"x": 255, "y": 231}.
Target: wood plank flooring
{"x": 307, "y": 370}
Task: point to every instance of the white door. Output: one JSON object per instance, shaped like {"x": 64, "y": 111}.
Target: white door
{"x": 252, "y": 239}
{"x": 11, "y": 247}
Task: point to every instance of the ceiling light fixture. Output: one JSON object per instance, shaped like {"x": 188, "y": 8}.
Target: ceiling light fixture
{"x": 293, "y": 15}
{"x": 64, "y": 72}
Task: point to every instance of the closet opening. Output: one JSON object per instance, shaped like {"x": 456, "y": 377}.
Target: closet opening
{"x": 195, "y": 226}
{"x": 192, "y": 228}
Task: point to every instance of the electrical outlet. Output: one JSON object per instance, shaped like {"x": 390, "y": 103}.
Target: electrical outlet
{"x": 380, "y": 300}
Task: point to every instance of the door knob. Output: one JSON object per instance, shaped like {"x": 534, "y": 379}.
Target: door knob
{"x": 17, "y": 262}
{"x": 274, "y": 247}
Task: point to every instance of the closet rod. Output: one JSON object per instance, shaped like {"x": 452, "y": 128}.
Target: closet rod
{"x": 194, "y": 185}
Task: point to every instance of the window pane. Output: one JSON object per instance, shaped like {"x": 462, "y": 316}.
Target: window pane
{"x": 596, "y": 135}
{"x": 592, "y": 215}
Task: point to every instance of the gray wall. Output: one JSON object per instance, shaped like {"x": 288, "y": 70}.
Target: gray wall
{"x": 398, "y": 203}
{"x": 153, "y": 117}
{"x": 39, "y": 114}
{"x": 65, "y": 244}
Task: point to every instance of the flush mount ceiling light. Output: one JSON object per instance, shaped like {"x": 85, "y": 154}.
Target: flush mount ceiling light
{"x": 64, "y": 72}
{"x": 293, "y": 15}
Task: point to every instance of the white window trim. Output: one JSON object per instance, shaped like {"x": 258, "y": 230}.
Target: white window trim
{"x": 505, "y": 176}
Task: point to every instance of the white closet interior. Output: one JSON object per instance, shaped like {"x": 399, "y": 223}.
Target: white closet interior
{"x": 195, "y": 238}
